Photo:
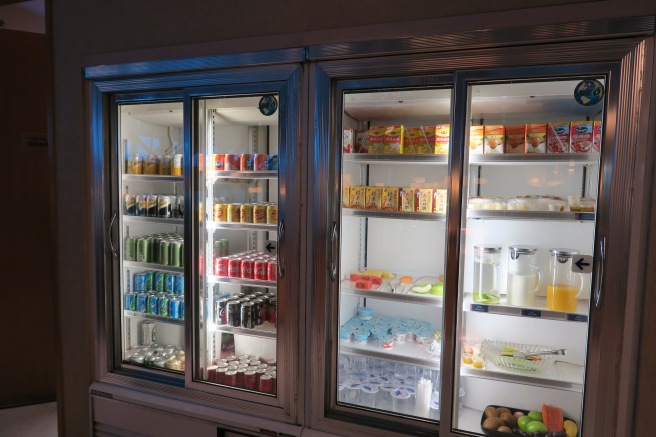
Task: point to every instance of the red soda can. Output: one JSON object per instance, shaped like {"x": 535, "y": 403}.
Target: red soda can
{"x": 266, "y": 384}
{"x": 211, "y": 373}
{"x": 240, "y": 377}
{"x": 232, "y": 162}
{"x": 234, "y": 267}
{"x": 247, "y": 266}
{"x": 231, "y": 378}
{"x": 221, "y": 375}
{"x": 274, "y": 378}
{"x": 261, "y": 269}
{"x": 250, "y": 380}
{"x": 245, "y": 162}
{"x": 219, "y": 161}
{"x": 221, "y": 266}
{"x": 273, "y": 270}
{"x": 259, "y": 160}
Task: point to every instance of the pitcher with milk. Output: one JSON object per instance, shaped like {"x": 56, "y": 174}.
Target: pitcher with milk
{"x": 564, "y": 286}
{"x": 524, "y": 276}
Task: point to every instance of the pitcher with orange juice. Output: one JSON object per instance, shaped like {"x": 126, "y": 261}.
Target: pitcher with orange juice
{"x": 564, "y": 286}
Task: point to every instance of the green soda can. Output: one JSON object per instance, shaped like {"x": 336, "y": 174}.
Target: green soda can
{"x": 164, "y": 251}
{"x": 156, "y": 242}
{"x": 221, "y": 248}
{"x": 143, "y": 250}
{"x": 130, "y": 249}
{"x": 176, "y": 254}
{"x": 159, "y": 281}
{"x": 182, "y": 254}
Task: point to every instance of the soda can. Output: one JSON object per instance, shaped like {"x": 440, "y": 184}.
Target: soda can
{"x": 175, "y": 308}
{"x": 219, "y": 161}
{"x": 157, "y": 240}
{"x": 142, "y": 250}
{"x": 232, "y": 162}
{"x": 233, "y": 313}
{"x": 221, "y": 248}
{"x": 246, "y": 213}
{"x": 148, "y": 335}
{"x": 220, "y": 311}
{"x": 246, "y": 316}
{"x": 175, "y": 259}
{"x": 153, "y": 307}
{"x": 272, "y": 310}
{"x": 221, "y": 266}
{"x": 234, "y": 267}
{"x": 271, "y": 162}
{"x": 142, "y": 303}
{"x": 141, "y": 207}
{"x": 148, "y": 281}
{"x": 259, "y": 161}
{"x": 131, "y": 204}
{"x": 163, "y": 304}
{"x": 245, "y": 162}
{"x": 135, "y": 165}
{"x": 234, "y": 213}
{"x": 164, "y": 252}
{"x": 272, "y": 270}
{"x": 130, "y": 249}
{"x": 139, "y": 282}
{"x": 169, "y": 283}
{"x": 247, "y": 268}
{"x": 182, "y": 309}
{"x": 151, "y": 205}
{"x": 261, "y": 269}
{"x": 174, "y": 206}
{"x": 165, "y": 165}
{"x": 131, "y": 301}
{"x": 259, "y": 213}
{"x": 180, "y": 205}
{"x": 176, "y": 165}
{"x": 159, "y": 281}
{"x": 150, "y": 164}
{"x": 272, "y": 214}
{"x": 179, "y": 284}
{"x": 258, "y": 306}
{"x": 164, "y": 207}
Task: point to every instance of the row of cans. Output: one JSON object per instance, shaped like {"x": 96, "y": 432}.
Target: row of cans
{"x": 262, "y": 213}
{"x": 154, "y": 205}
{"x": 157, "y": 304}
{"x": 247, "y": 266}
{"x": 165, "y": 249}
{"x": 155, "y": 164}
{"x": 157, "y": 281}
{"x": 155, "y": 355}
{"x": 245, "y": 162}
{"x": 245, "y": 311}
{"x": 248, "y": 371}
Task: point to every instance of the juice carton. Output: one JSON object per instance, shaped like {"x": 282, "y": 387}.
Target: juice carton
{"x": 516, "y": 139}
{"x": 348, "y": 139}
{"x": 357, "y": 197}
{"x": 377, "y": 139}
{"x": 424, "y": 201}
{"x": 596, "y": 137}
{"x": 346, "y": 196}
{"x": 558, "y": 137}
{"x": 440, "y": 201}
{"x": 426, "y": 141}
{"x": 581, "y": 136}
{"x": 372, "y": 198}
{"x": 408, "y": 141}
{"x": 442, "y": 138}
{"x": 393, "y": 140}
{"x": 476, "y": 135}
{"x": 494, "y": 139}
{"x": 390, "y": 199}
{"x": 407, "y": 199}
{"x": 361, "y": 141}
{"x": 536, "y": 138}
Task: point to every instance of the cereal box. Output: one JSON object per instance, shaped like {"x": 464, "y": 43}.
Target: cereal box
{"x": 516, "y": 139}
{"x": 424, "y": 201}
{"x": 580, "y": 136}
{"x": 390, "y": 199}
{"x": 558, "y": 137}
{"x": 348, "y": 140}
{"x": 377, "y": 139}
{"x": 494, "y": 139}
{"x": 361, "y": 141}
{"x": 596, "y": 137}
{"x": 346, "y": 196}
{"x": 476, "y": 135}
{"x": 442, "y": 137}
{"x": 393, "y": 140}
{"x": 536, "y": 138}
{"x": 407, "y": 199}
{"x": 372, "y": 198}
{"x": 439, "y": 201}
{"x": 357, "y": 197}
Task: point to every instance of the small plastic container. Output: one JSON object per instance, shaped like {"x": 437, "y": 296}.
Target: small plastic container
{"x": 402, "y": 401}
{"x": 352, "y": 392}
{"x": 361, "y": 337}
{"x": 368, "y": 395}
{"x": 345, "y": 335}
{"x": 387, "y": 341}
{"x": 365, "y": 313}
{"x": 400, "y": 335}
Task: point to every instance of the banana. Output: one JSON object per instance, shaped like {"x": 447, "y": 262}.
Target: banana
{"x": 380, "y": 273}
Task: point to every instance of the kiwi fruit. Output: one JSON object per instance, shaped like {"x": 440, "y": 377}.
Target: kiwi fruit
{"x": 492, "y": 423}
{"x": 509, "y": 419}
{"x": 502, "y": 410}
{"x": 504, "y": 429}
{"x": 491, "y": 412}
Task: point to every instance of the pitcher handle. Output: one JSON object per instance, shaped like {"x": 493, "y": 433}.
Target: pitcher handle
{"x": 497, "y": 270}
{"x": 538, "y": 270}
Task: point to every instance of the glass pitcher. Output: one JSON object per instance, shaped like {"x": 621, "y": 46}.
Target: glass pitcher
{"x": 564, "y": 286}
{"x": 524, "y": 276}
{"x": 487, "y": 274}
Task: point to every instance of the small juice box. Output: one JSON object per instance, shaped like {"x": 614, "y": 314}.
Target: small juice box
{"x": 348, "y": 139}
{"x": 346, "y": 196}
{"x": 424, "y": 201}
{"x": 390, "y": 199}
{"x": 426, "y": 140}
{"x": 372, "y": 198}
{"x": 377, "y": 139}
{"x": 536, "y": 138}
{"x": 407, "y": 199}
{"x": 357, "y": 196}
{"x": 393, "y": 140}
{"x": 442, "y": 138}
{"x": 581, "y": 135}
{"x": 516, "y": 139}
{"x": 494, "y": 139}
{"x": 558, "y": 137}
{"x": 440, "y": 200}
{"x": 596, "y": 137}
{"x": 361, "y": 141}
{"x": 476, "y": 135}
{"x": 408, "y": 145}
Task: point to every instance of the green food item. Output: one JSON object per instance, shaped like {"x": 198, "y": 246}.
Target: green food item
{"x": 523, "y": 421}
{"x": 537, "y": 426}
{"x": 437, "y": 289}
{"x": 486, "y": 299}
{"x": 508, "y": 349}
{"x": 422, "y": 288}
{"x": 536, "y": 415}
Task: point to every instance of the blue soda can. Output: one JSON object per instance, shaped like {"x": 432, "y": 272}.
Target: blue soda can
{"x": 159, "y": 281}
{"x": 142, "y": 303}
{"x": 182, "y": 308}
{"x": 169, "y": 283}
{"x": 131, "y": 301}
{"x": 175, "y": 308}
{"x": 163, "y": 303}
{"x": 139, "y": 282}
{"x": 153, "y": 306}
{"x": 149, "y": 281}
{"x": 179, "y": 284}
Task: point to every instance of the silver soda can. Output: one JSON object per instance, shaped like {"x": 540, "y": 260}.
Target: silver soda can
{"x": 164, "y": 207}
{"x": 141, "y": 205}
{"x": 151, "y": 205}
{"x": 148, "y": 332}
{"x": 131, "y": 204}
{"x": 165, "y": 165}
{"x": 180, "y": 204}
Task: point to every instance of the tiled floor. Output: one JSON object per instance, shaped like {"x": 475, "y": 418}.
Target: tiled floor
{"x": 29, "y": 421}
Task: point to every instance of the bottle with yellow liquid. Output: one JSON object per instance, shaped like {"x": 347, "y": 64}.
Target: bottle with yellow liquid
{"x": 564, "y": 286}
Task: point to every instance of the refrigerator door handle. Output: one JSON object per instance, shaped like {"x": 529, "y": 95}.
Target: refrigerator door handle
{"x": 281, "y": 259}
{"x": 111, "y": 242}
{"x": 599, "y": 282}
{"x": 333, "y": 264}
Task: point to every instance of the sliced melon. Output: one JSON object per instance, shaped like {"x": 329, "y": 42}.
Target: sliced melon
{"x": 422, "y": 288}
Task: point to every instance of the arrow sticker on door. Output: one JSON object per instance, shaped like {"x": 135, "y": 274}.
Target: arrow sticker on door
{"x": 271, "y": 247}
{"x": 582, "y": 264}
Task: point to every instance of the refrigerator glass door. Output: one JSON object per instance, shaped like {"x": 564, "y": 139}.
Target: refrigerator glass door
{"x": 150, "y": 217}
{"x": 531, "y": 183}
{"x": 238, "y": 212}
{"x": 392, "y": 247}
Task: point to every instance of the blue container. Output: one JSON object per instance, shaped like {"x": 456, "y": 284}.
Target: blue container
{"x": 153, "y": 305}
{"x": 182, "y": 308}
{"x": 271, "y": 162}
{"x": 131, "y": 302}
{"x": 169, "y": 283}
{"x": 159, "y": 281}
{"x": 163, "y": 305}
{"x": 175, "y": 308}
{"x": 149, "y": 281}
{"x": 139, "y": 282}
{"x": 142, "y": 303}
{"x": 179, "y": 284}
